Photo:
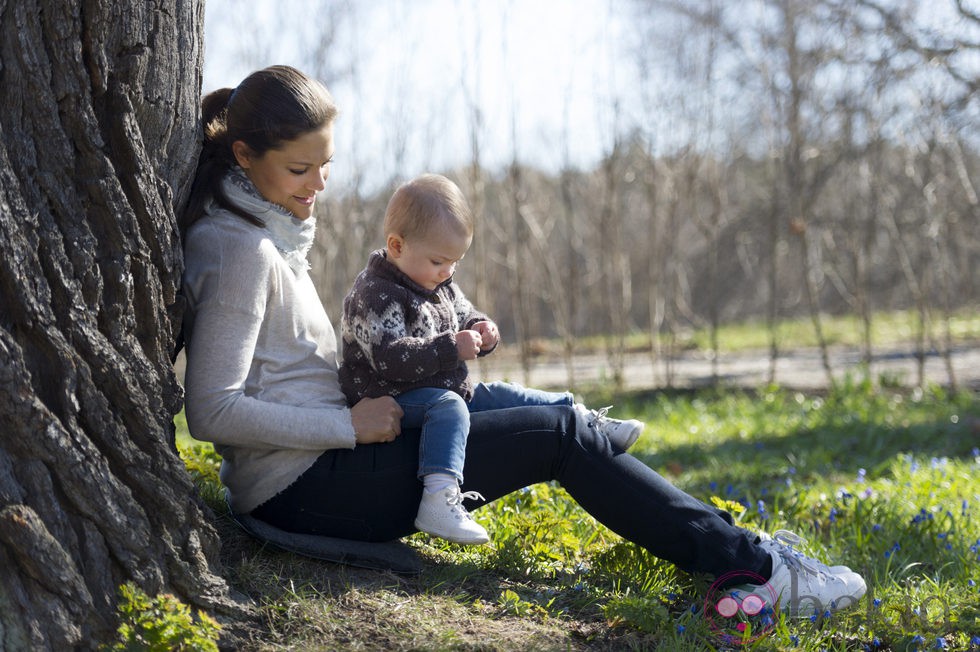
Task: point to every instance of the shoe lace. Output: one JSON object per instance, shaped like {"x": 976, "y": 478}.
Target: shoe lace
{"x": 794, "y": 558}
{"x": 784, "y": 540}
{"x": 798, "y": 561}
{"x": 598, "y": 416}
{"x": 788, "y": 538}
{"x": 457, "y": 497}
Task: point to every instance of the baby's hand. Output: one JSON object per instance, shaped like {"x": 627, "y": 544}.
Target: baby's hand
{"x": 468, "y": 344}
{"x": 488, "y": 333}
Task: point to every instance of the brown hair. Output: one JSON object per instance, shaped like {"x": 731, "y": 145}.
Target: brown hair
{"x": 425, "y": 201}
{"x": 269, "y": 108}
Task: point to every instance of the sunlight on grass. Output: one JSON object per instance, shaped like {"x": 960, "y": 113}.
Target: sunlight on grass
{"x": 888, "y": 329}
{"x": 887, "y": 482}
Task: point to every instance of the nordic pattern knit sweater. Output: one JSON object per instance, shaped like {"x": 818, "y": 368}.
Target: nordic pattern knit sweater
{"x": 399, "y": 336}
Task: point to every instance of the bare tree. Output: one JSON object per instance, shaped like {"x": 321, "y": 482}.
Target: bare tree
{"x": 568, "y": 294}
{"x": 98, "y": 141}
{"x": 474, "y": 186}
{"x": 616, "y": 293}
{"x": 516, "y": 258}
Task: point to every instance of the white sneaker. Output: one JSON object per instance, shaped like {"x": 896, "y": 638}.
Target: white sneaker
{"x": 622, "y": 433}
{"x": 786, "y": 539}
{"x": 800, "y": 586}
{"x": 442, "y": 513}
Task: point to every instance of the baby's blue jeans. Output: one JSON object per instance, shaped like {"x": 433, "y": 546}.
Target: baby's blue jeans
{"x": 444, "y": 418}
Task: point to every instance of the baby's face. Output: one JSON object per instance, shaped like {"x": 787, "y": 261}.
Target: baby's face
{"x": 431, "y": 260}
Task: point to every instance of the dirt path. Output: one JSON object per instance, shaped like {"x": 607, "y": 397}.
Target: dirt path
{"x": 800, "y": 369}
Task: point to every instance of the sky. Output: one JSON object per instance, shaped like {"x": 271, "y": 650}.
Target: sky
{"x": 406, "y": 74}
{"x": 554, "y": 80}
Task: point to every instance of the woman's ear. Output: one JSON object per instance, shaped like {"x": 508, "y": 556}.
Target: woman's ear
{"x": 394, "y": 244}
{"x": 243, "y": 153}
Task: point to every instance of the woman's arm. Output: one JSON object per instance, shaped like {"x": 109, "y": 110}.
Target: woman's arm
{"x": 231, "y": 275}
{"x": 217, "y": 406}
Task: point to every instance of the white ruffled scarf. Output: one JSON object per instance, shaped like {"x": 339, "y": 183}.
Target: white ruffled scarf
{"x": 292, "y": 236}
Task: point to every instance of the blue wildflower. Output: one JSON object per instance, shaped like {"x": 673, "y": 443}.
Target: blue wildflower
{"x": 923, "y": 515}
{"x": 680, "y": 629}
{"x": 862, "y": 473}
{"x": 941, "y": 643}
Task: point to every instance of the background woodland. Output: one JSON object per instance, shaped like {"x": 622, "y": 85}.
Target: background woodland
{"x": 774, "y": 160}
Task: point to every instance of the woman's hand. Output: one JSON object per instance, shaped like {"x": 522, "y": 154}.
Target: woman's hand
{"x": 376, "y": 420}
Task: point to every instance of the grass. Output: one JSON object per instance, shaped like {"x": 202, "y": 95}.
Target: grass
{"x": 884, "y": 480}
{"x": 888, "y": 329}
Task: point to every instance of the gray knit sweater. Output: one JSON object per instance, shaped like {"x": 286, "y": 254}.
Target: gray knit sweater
{"x": 261, "y": 381}
{"x": 398, "y": 335}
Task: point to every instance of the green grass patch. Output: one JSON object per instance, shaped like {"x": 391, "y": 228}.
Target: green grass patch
{"x": 886, "y": 481}
{"x": 888, "y": 329}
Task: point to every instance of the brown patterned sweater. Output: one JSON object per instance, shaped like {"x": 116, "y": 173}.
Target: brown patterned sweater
{"x": 399, "y": 336}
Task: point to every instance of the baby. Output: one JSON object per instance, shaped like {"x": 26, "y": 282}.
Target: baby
{"x": 408, "y": 331}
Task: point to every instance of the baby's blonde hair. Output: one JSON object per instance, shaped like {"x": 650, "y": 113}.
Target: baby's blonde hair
{"x": 424, "y": 202}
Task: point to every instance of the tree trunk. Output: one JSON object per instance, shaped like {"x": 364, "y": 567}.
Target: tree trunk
{"x": 98, "y": 140}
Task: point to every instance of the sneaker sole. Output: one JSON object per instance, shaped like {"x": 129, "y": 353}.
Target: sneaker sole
{"x": 476, "y": 541}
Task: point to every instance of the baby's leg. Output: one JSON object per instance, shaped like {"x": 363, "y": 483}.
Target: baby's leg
{"x": 445, "y": 423}
{"x": 500, "y": 396}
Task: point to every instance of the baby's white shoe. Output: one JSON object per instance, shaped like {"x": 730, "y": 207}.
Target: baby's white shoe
{"x": 442, "y": 513}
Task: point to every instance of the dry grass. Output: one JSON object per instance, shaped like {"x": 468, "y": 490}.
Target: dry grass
{"x": 306, "y": 604}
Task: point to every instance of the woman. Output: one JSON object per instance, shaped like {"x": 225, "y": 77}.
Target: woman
{"x": 262, "y": 385}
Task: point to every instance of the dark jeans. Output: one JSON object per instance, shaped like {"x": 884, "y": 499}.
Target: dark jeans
{"x": 372, "y": 493}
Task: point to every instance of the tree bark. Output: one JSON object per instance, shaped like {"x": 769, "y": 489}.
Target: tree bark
{"x": 98, "y": 142}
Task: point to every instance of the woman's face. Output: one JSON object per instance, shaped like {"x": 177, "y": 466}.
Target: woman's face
{"x": 291, "y": 175}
